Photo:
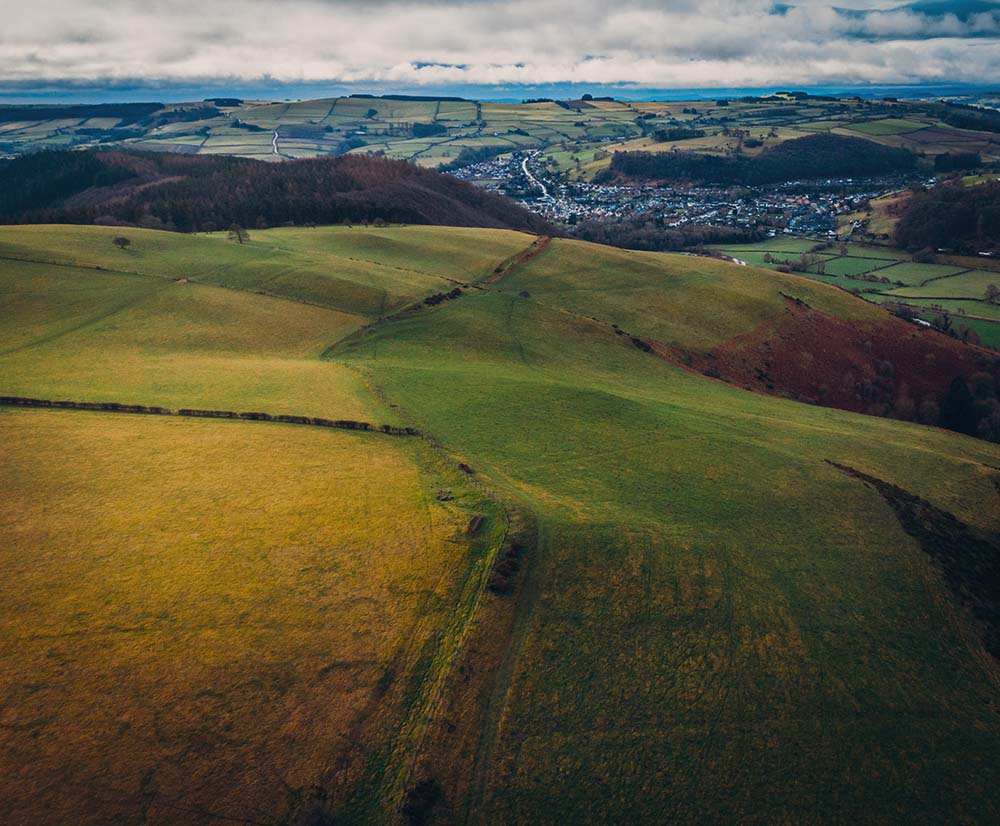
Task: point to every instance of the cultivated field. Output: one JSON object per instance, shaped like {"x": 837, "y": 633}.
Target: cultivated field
{"x": 578, "y": 136}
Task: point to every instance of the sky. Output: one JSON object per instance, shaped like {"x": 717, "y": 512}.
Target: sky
{"x": 48, "y": 46}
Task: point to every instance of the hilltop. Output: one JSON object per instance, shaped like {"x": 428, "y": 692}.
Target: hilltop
{"x": 204, "y": 193}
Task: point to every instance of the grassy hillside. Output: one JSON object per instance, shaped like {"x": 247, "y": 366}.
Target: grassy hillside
{"x": 692, "y": 614}
{"x": 669, "y": 298}
{"x": 360, "y": 271}
{"x": 693, "y": 634}
{"x": 220, "y": 620}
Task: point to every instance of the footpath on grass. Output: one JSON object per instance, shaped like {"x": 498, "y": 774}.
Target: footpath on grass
{"x": 189, "y": 412}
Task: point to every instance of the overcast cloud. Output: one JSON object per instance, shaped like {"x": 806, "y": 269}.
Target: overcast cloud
{"x": 685, "y": 43}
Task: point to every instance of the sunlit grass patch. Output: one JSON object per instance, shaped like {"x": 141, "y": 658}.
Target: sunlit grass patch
{"x": 209, "y": 615}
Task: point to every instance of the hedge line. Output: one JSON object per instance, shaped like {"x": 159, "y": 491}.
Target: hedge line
{"x": 117, "y": 407}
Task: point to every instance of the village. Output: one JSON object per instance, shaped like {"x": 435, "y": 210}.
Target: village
{"x": 794, "y": 207}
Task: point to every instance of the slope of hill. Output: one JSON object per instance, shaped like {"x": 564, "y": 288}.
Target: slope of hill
{"x": 954, "y": 216}
{"x": 603, "y": 587}
{"x": 206, "y": 193}
{"x": 814, "y": 156}
{"x": 774, "y": 333}
{"x": 691, "y": 636}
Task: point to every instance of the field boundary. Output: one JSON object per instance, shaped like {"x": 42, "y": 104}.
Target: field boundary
{"x": 189, "y": 412}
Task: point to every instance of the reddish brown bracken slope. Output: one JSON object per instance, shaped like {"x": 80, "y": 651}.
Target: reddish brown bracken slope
{"x": 886, "y": 367}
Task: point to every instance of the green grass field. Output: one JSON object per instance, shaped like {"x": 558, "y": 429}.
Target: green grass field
{"x": 361, "y": 271}
{"x": 965, "y": 285}
{"x": 696, "y": 641}
{"x": 237, "y": 620}
{"x": 887, "y": 126}
{"x": 988, "y": 331}
{"x": 198, "y": 593}
{"x": 848, "y": 266}
{"x": 666, "y": 297}
{"x": 953, "y": 287}
{"x": 911, "y": 273}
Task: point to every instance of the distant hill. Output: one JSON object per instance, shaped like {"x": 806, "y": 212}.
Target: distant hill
{"x": 199, "y": 193}
{"x": 124, "y": 112}
{"x": 814, "y": 156}
{"x": 954, "y": 216}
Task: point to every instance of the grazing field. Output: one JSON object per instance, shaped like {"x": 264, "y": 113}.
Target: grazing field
{"x": 667, "y": 297}
{"x": 965, "y": 284}
{"x": 208, "y": 621}
{"x": 988, "y": 331}
{"x": 362, "y": 271}
{"x": 301, "y": 589}
{"x": 960, "y": 307}
{"x": 679, "y": 650}
{"x": 90, "y": 335}
{"x": 884, "y": 275}
{"x": 598, "y": 589}
{"x": 912, "y": 273}
{"x": 855, "y": 266}
{"x": 887, "y": 126}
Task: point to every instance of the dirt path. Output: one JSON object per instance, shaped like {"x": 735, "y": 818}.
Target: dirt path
{"x": 538, "y": 246}
{"x": 527, "y": 599}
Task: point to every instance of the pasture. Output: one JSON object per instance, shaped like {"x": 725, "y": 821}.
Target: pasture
{"x": 214, "y": 619}
{"x": 886, "y": 126}
{"x": 252, "y": 621}
{"x": 364, "y": 272}
{"x": 683, "y": 621}
{"x": 291, "y": 589}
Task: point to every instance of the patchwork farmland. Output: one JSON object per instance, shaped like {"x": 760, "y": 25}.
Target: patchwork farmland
{"x": 578, "y": 136}
{"x": 951, "y": 290}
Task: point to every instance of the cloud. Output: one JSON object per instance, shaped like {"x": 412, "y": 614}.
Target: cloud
{"x": 654, "y": 43}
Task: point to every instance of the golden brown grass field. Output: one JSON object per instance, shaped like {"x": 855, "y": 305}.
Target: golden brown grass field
{"x": 206, "y": 620}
